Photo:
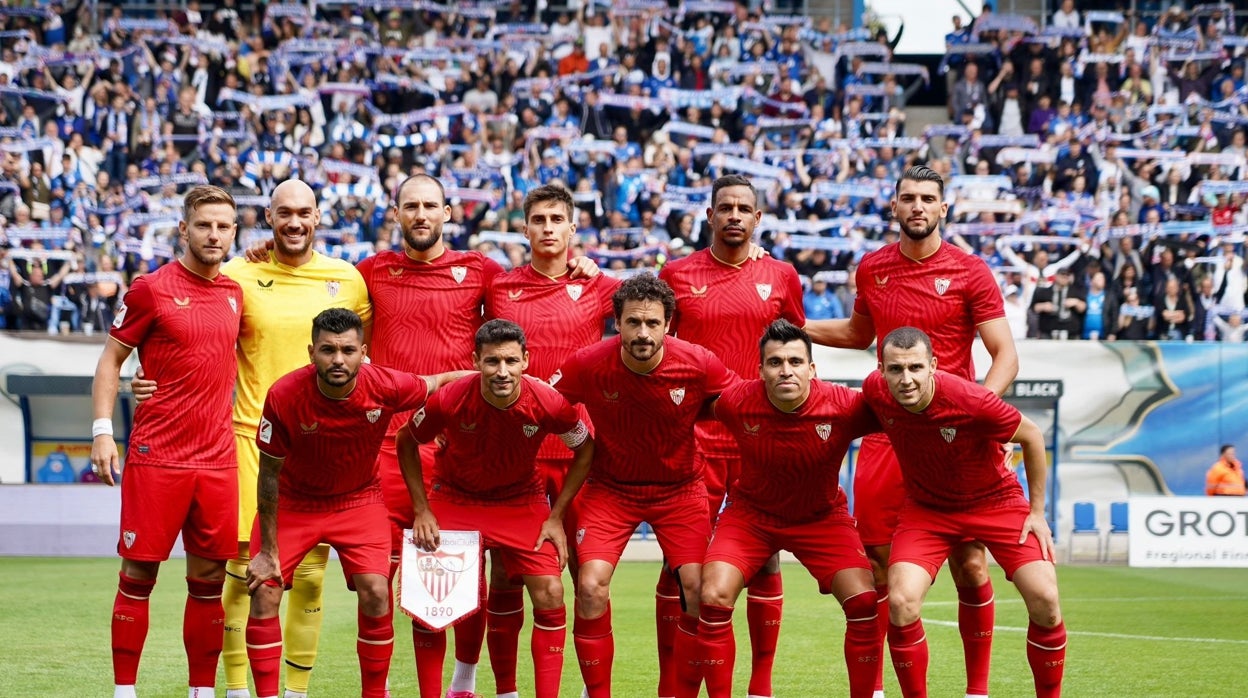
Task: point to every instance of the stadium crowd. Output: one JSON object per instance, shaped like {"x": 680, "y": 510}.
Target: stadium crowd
{"x": 1093, "y": 161}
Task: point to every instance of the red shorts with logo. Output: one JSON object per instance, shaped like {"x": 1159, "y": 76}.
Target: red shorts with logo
{"x": 509, "y": 530}
{"x": 878, "y": 490}
{"x": 159, "y": 502}
{"x": 719, "y": 472}
{"x": 394, "y": 487}
{"x": 746, "y": 538}
{"x": 360, "y": 535}
{"x": 608, "y": 519}
{"x": 926, "y": 536}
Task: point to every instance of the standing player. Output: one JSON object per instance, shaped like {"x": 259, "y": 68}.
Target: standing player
{"x": 947, "y": 433}
{"x": 643, "y": 392}
{"x": 487, "y": 478}
{"x": 559, "y": 315}
{"x": 281, "y": 294}
{"x": 725, "y": 299}
{"x": 793, "y": 431}
{"x": 180, "y": 469}
{"x": 924, "y": 282}
{"x": 318, "y": 438}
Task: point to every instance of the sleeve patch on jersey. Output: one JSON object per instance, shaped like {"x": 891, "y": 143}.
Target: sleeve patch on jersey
{"x": 576, "y": 437}
{"x": 266, "y": 430}
{"x": 555, "y": 378}
{"x": 121, "y": 315}
{"x": 418, "y": 417}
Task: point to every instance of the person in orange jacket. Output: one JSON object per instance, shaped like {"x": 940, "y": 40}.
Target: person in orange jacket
{"x": 1226, "y": 476}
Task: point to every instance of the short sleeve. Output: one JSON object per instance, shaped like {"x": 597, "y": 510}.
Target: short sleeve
{"x": 427, "y": 422}
{"x": 135, "y": 314}
{"x": 792, "y": 308}
{"x": 718, "y": 376}
{"x": 272, "y": 437}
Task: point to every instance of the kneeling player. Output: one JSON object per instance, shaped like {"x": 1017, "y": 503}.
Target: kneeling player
{"x": 793, "y": 431}
{"x": 947, "y": 433}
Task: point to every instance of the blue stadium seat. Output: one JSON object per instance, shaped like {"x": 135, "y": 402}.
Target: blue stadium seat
{"x": 1117, "y": 547}
{"x": 1085, "y": 525}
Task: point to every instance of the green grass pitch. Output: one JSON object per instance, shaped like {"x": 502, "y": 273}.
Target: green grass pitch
{"x": 1133, "y": 632}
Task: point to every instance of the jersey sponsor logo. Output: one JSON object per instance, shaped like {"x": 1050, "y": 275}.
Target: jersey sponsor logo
{"x": 556, "y": 377}
{"x": 266, "y": 430}
{"x": 468, "y": 427}
{"x": 514, "y": 295}
{"x": 395, "y": 271}
{"x": 128, "y": 537}
{"x": 881, "y": 280}
{"x": 611, "y": 397}
{"x": 942, "y": 285}
{"x": 440, "y": 572}
{"x": 264, "y": 284}
{"x": 233, "y": 304}
{"x": 698, "y": 291}
{"x": 418, "y": 417}
{"x": 121, "y": 315}
{"x": 678, "y": 395}
{"x": 308, "y": 428}
{"x": 764, "y": 290}
{"x": 182, "y": 302}
{"x": 575, "y": 290}
{"x": 947, "y": 433}
{"x": 823, "y": 430}
{"x": 751, "y": 429}
{"x": 459, "y": 274}
{"x": 373, "y": 415}
{"x": 331, "y": 287}
{"x": 530, "y": 430}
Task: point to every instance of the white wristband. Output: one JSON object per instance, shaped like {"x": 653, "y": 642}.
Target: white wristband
{"x": 102, "y": 427}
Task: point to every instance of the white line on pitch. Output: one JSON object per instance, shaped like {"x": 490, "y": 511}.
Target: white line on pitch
{"x": 1116, "y": 636}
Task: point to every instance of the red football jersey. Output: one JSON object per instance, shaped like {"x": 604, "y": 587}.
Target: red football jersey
{"x": 948, "y": 295}
{"x": 790, "y": 461}
{"x": 643, "y": 423}
{"x": 726, "y": 308}
{"x": 330, "y": 446}
{"x": 950, "y": 453}
{"x": 185, "y": 327}
{"x": 491, "y": 453}
{"x": 425, "y": 314}
{"x": 558, "y": 316}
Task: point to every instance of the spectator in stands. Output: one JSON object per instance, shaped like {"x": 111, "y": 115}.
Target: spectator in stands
{"x": 1174, "y": 308}
{"x": 1134, "y": 321}
{"x": 1101, "y": 307}
{"x": 821, "y": 303}
{"x": 1225, "y": 477}
{"x": 1059, "y": 307}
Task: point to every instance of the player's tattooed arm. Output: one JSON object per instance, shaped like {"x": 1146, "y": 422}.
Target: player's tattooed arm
{"x": 264, "y": 564}
{"x": 578, "y": 472}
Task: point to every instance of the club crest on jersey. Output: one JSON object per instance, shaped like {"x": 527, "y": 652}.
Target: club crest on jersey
{"x": 233, "y": 304}
{"x": 942, "y": 285}
{"x": 373, "y": 415}
{"x": 823, "y": 430}
{"x": 574, "y": 290}
{"x": 182, "y": 302}
{"x": 764, "y": 290}
{"x": 459, "y": 274}
{"x": 580, "y": 535}
{"x": 947, "y": 433}
{"x": 266, "y": 430}
{"x": 556, "y": 377}
{"x": 332, "y": 288}
{"x": 678, "y": 395}
{"x": 128, "y": 537}
{"x": 418, "y": 417}
{"x": 440, "y": 572}
{"x": 530, "y": 430}
{"x": 121, "y": 315}
{"x": 514, "y": 295}
{"x": 698, "y": 291}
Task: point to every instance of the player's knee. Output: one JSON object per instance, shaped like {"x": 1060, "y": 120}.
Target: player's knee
{"x": 715, "y": 594}
{"x": 140, "y": 570}
{"x": 903, "y": 608}
{"x": 969, "y": 566}
{"x": 591, "y": 596}
{"x": 1043, "y": 607}
{"x": 265, "y": 601}
{"x": 546, "y": 592}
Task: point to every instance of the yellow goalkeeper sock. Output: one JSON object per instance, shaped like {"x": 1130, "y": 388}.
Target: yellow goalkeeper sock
{"x": 237, "y": 603}
{"x": 303, "y": 618}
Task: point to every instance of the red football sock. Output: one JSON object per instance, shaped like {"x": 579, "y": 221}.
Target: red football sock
{"x": 688, "y": 668}
{"x": 469, "y": 636}
{"x": 764, "y": 606}
{"x": 862, "y": 643}
{"x": 130, "y": 620}
{"x": 504, "y": 619}
{"x": 976, "y": 613}
{"x": 717, "y": 649}
{"x": 550, "y": 629}
{"x": 374, "y": 645}
{"x": 430, "y": 649}
{"x": 666, "y": 617}
{"x": 203, "y": 629}
{"x": 881, "y": 630}
{"x": 908, "y": 647}
{"x": 264, "y": 653}
{"x": 595, "y": 650}
{"x": 1046, "y": 653}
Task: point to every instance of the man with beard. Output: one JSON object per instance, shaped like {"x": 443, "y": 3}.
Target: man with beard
{"x": 319, "y": 430}
{"x": 643, "y": 392}
{"x": 924, "y": 282}
{"x": 725, "y": 300}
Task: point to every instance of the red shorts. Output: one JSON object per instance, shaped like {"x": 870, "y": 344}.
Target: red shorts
{"x": 746, "y": 539}
{"x": 510, "y": 530}
{"x": 553, "y": 472}
{"x": 357, "y": 533}
{"x": 878, "y": 491}
{"x": 608, "y": 519}
{"x": 720, "y": 472}
{"x": 158, "y": 502}
{"x": 394, "y": 487}
{"x": 926, "y": 536}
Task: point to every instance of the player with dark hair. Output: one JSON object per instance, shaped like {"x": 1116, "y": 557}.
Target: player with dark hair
{"x": 486, "y": 479}
{"x": 793, "y": 431}
{"x": 725, "y": 299}
{"x": 924, "y": 282}
{"x": 181, "y": 471}
{"x": 318, "y": 483}
{"x": 947, "y": 433}
{"x": 643, "y": 391}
